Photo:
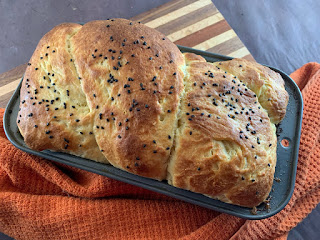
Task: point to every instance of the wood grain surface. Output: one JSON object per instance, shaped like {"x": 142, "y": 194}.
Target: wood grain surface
{"x": 192, "y": 23}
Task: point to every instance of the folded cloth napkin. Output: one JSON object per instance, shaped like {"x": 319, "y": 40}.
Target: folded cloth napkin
{"x": 40, "y": 199}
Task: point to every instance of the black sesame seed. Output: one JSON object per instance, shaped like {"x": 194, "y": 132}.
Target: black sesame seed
{"x": 77, "y": 120}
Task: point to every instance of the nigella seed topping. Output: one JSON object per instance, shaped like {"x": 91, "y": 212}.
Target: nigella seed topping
{"x": 47, "y": 132}
{"x": 51, "y": 136}
{"x": 190, "y": 132}
{"x": 169, "y": 137}
{"x": 35, "y": 126}
{"x": 77, "y": 120}
{"x": 155, "y": 151}
{"x": 154, "y": 141}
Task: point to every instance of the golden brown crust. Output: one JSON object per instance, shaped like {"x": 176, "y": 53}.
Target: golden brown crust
{"x": 267, "y": 84}
{"x": 134, "y": 129}
{"x": 225, "y": 145}
{"x": 48, "y": 118}
{"x": 125, "y": 90}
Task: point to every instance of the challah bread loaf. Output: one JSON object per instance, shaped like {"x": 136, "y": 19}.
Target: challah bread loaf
{"x": 118, "y": 92}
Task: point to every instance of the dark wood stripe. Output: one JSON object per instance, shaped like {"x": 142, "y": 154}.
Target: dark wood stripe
{"x": 12, "y": 74}
{"x": 204, "y": 34}
{"x": 249, "y": 57}
{"x": 186, "y": 20}
{"x": 5, "y": 99}
{"x": 227, "y": 47}
{"x": 162, "y": 10}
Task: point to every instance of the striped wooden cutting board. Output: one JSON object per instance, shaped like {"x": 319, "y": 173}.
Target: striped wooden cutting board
{"x": 197, "y": 24}
{"x": 192, "y": 23}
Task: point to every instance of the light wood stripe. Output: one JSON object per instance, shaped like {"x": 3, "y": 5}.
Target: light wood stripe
{"x": 239, "y": 53}
{"x": 187, "y": 20}
{"x": 216, "y": 40}
{"x": 178, "y": 13}
{"x": 204, "y": 34}
{"x": 195, "y": 27}
{"x": 9, "y": 87}
{"x": 249, "y": 57}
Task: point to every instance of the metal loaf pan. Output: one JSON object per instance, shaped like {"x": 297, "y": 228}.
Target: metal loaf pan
{"x": 288, "y": 129}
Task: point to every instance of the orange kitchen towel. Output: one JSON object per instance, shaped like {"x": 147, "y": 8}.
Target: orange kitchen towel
{"x": 40, "y": 199}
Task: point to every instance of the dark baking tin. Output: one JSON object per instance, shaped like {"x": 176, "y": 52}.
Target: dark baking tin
{"x": 286, "y": 167}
